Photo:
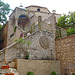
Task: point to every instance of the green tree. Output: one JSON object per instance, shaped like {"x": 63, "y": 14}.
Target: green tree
{"x": 71, "y": 16}
{"x": 62, "y": 21}
{"x": 70, "y": 31}
{"x": 4, "y": 11}
{"x": 68, "y": 22}
{"x": 1, "y": 26}
{"x": 73, "y": 73}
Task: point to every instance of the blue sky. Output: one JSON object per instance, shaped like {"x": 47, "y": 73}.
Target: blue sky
{"x": 61, "y": 6}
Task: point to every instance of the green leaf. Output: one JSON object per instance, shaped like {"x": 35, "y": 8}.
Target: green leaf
{"x": 15, "y": 29}
{"x": 28, "y": 42}
{"x": 4, "y": 11}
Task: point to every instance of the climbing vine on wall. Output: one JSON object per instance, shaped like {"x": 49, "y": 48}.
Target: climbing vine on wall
{"x": 27, "y": 42}
{"x": 15, "y": 29}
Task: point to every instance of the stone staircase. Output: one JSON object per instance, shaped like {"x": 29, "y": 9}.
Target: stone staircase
{"x": 10, "y": 70}
{"x": 13, "y": 70}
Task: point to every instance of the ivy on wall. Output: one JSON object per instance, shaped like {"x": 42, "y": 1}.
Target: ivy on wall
{"x": 15, "y": 29}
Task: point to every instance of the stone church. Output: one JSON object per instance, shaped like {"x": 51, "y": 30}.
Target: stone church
{"x": 37, "y": 24}
{"x": 34, "y": 23}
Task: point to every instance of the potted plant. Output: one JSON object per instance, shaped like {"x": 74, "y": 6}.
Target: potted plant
{"x": 53, "y": 73}
{"x": 30, "y": 73}
{"x": 5, "y": 66}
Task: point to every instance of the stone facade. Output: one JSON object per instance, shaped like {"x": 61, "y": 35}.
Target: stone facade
{"x": 32, "y": 23}
{"x": 47, "y": 22}
{"x": 60, "y": 32}
{"x": 38, "y": 67}
{"x": 39, "y": 49}
{"x": 65, "y": 52}
{"x": 37, "y": 24}
{"x": 33, "y": 18}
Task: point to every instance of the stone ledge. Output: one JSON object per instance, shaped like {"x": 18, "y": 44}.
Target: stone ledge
{"x": 66, "y": 37}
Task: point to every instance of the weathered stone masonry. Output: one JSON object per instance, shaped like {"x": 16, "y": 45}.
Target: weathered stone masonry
{"x": 65, "y": 52}
{"x": 37, "y": 50}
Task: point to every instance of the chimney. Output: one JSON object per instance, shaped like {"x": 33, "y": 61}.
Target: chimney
{"x": 53, "y": 11}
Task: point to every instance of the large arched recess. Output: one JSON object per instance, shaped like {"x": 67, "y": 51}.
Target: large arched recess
{"x": 23, "y": 20}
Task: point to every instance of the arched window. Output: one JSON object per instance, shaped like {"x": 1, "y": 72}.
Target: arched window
{"x": 22, "y": 21}
{"x": 39, "y": 19}
{"x": 38, "y": 9}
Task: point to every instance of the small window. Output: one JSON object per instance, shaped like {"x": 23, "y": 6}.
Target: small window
{"x": 38, "y": 9}
{"x": 39, "y": 18}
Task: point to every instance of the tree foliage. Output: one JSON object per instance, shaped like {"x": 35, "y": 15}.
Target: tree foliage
{"x": 62, "y": 21}
{"x": 4, "y": 11}
{"x": 68, "y": 22}
{"x": 70, "y": 31}
{"x": 73, "y": 73}
{"x": 0, "y": 27}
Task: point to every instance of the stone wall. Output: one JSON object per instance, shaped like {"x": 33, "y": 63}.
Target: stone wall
{"x": 33, "y": 19}
{"x": 42, "y": 47}
{"x": 65, "y": 52}
{"x": 34, "y": 8}
{"x": 44, "y": 12}
{"x": 60, "y": 32}
{"x": 14, "y": 17}
{"x": 48, "y": 24}
{"x": 38, "y": 67}
{"x": 3, "y": 36}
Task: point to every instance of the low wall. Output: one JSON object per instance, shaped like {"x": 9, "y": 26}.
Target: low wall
{"x": 65, "y": 53}
{"x": 39, "y": 67}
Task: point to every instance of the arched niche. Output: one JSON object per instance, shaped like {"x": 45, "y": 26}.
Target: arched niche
{"x": 39, "y": 18}
{"x": 23, "y": 20}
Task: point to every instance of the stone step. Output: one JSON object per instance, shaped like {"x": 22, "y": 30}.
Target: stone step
{"x": 10, "y": 70}
{"x": 4, "y": 71}
{"x": 13, "y": 70}
{"x": 12, "y": 65}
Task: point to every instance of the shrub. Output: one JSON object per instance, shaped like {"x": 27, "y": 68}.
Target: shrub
{"x": 73, "y": 73}
{"x": 66, "y": 74}
{"x": 27, "y": 56}
{"x": 71, "y": 31}
{"x": 30, "y": 73}
{"x": 53, "y": 73}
